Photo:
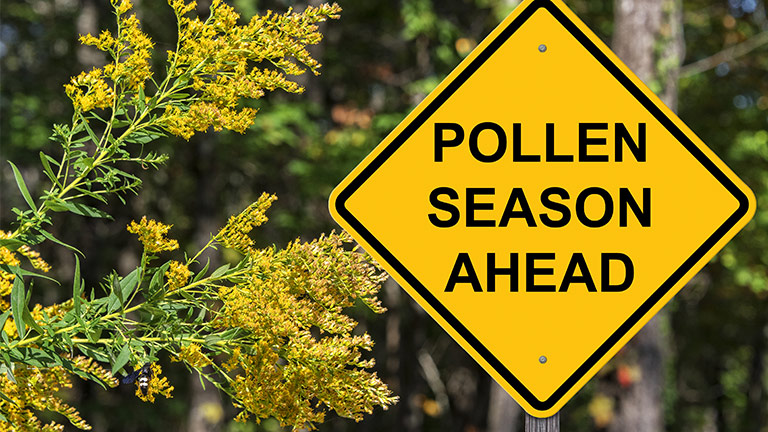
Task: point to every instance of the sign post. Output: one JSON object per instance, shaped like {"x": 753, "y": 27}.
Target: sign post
{"x": 542, "y": 204}
{"x": 548, "y": 424}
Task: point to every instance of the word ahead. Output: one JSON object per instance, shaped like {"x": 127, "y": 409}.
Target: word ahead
{"x": 577, "y": 272}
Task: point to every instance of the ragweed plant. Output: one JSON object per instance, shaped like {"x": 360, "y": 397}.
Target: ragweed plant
{"x": 270, "y": 331}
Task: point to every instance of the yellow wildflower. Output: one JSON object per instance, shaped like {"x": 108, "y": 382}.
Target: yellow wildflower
{"x": 177, "y": 275}
{"x": 191, "y": 355}
{"x": 10, "y": 258}
{"x": 152, "y": 235}
{"x": 123, "y": 7}
{"x": 104, "y": 42}
{"x": 157, "y": 385}
{"x": 233, "y": 361}
{"x": 6, "y": 278}
{"x": 136, "y": 48}
{"x": 97, "y": 93}
{"x": 234, "y": 235}
{"x": 292, "y": 302}
{"x": 223, "y": 61}
{"x": 35, "y": 390}
{"x": 34, "y": 258}
{"x": 181, "y": 7}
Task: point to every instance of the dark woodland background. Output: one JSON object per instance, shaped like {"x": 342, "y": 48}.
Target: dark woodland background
{"x": 699, "y": 366}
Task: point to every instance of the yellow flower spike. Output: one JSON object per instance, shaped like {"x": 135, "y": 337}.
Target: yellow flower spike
{"x": 34, "y": 258}
{"x": 35, "y": 390}
{"x": 220, "y": 58}
{"x": 125, "y": 6}
{"x": 97, "y": 93}
{"x": 157, "y": 385}
{"x": 152, "y": 235}
{"x": 234, "y": 235}
{"x": 192, "y": 355}
{"x": 177, "y": 275}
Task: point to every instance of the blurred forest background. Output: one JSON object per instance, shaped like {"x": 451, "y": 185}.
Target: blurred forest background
{"x": 699, "y": 366}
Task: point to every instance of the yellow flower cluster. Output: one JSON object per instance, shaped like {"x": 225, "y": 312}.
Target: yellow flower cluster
{"x": 292, "y": 374}
{"x": 88, "y": 365}
{"x": 177, "y": 275}
{"x": 132, "y": 51}
{"x": 157, "y": 385}
{"x": 104, "y": 42}
{"x": 56, "y": 310}
{"x": 152, "y": 235}
{"x": 10, "y": 258}
{"x": 234, "y": 235}
{"x": 6, "y": 278}
{"x": 97, "y": 93}
{"x": 203, "y": 115}
{"x": 223, "y": 61}
{"x": 192, "y": 355}
{"x": 35, "y": 390}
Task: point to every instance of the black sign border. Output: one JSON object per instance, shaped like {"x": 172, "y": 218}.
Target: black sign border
{"x": 423, "y": 116}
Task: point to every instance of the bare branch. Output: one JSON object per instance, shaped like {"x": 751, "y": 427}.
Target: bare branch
{"x": 726, "y": 55}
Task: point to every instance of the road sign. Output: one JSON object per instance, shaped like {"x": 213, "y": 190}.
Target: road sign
{"x": 542, "y": 204}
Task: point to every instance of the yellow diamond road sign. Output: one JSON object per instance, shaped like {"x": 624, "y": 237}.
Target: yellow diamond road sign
{"x": 542, "y": 204}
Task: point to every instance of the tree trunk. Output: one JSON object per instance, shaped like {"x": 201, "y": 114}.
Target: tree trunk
{"x": 503, "y": 411}
{"x": 755, "y": 413}
{"x": 206, "y": 410}
{"x": 648, "y": 38}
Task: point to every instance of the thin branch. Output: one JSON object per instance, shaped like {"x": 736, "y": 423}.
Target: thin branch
{"x": 726, "y": 55}
{"x": 432, "y": 376}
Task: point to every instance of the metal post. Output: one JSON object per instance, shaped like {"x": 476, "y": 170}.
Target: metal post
{"x": 549, "y": 424}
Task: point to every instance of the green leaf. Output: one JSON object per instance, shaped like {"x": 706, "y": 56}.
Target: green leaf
{"x": 130, "y": 282}
{"x": 220, "y": 271}
{"x": 34, "y": 357}
{"x": 77, "y": 290}
{"x": 96, "y": 196}
{"x": 120, "y": 123}
{"x": 142, "y": 137}
{"x": 121, "y": 289}
{"x": 80, "y": 209}
{"x": 94, "y": 335}
{"x": 50, "y": 237}
{"x": 151, "y": 314}
{"x": 91, "y": 134}
{"x": 10, "y": 401}
{"x": 22, "y": 186}
{"x": 31, "y": 238}
{"x": 8, "y": 366}
{"x": 18, "y": 304}
{"x": 93, "y": 353}
{"x": 157, "y": 281}
{"x": 113, "y": 300}
{"x": 201, "y": 316}
{"x": 212, "y": 339}
{"x": 67, "y": 340}
{"x": 122, "y": 358}
{"x": 202, "y": 272}
{"x": 27, "y": 316}
{"x": 19, "y": 272}
{"x": 3, "y": 319}
{"x": 178, "y": 96}
{"x": 11, "y": 244}
{"x": 47, "y": 168}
